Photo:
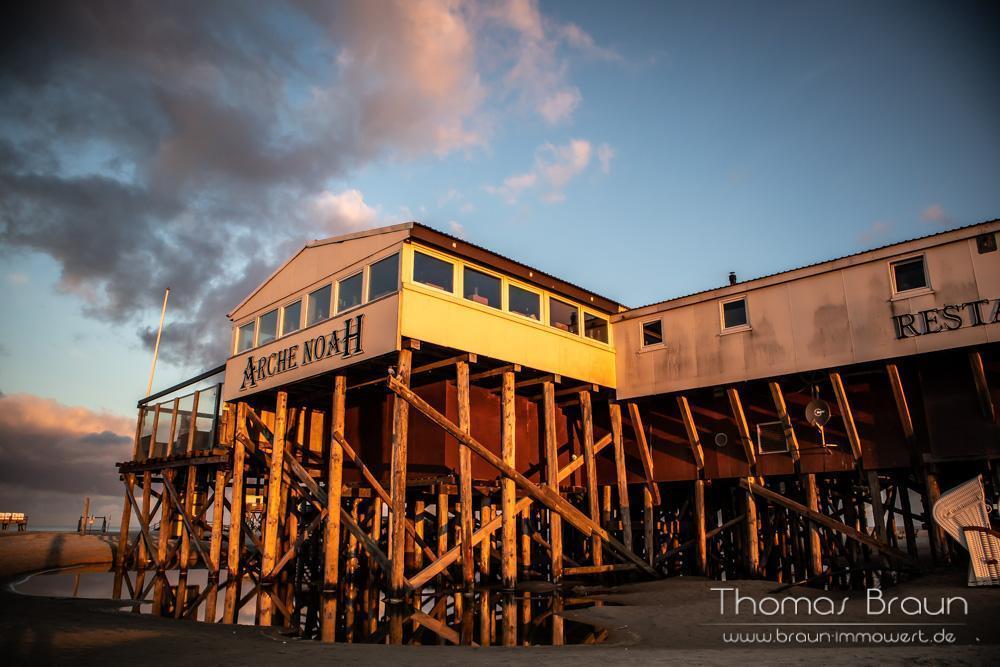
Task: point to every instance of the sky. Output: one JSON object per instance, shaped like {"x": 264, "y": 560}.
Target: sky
{"x": 639, "y": 149}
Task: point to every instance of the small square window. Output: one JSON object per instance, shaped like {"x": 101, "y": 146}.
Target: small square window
{"x": 318, "y": 306}
{"x": 291, "y": 318}
{"x": 524, "y": 302}
{"x": 481, "y": 287}
{"x": 986, "y": 243}
{"x": 383, "y": 277}
{"x": 734, "y": 314}
{"x": 564, "y": 316}
{"x": 267, "y": 330}
{"x": 349, "y": 293}
{"x": 652, "y": 333}
{"x": 595, "y": 327}
{"x": 433, "y": 271}
{"x": 909, "y": 274}
{"x": 244, "y": 337}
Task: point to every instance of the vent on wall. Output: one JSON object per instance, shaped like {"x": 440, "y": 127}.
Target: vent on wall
{"x": 771, "y": 438}
{"x": 986, "y": 243}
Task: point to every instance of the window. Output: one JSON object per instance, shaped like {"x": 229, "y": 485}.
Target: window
{"x": 383, "y": 277}
{"x": 349, "y": 292}
{"x": 244, "y": 337}
{"x": 481, "y": 288}
{"x": 318, "y": 306}
{"x": 652, "y": 333}
{"x": 595, "y": 327}
{"x": 291, "y": 318}
{"x": 523, "y": 302}
{"x": 734, "y": 314}
{"x": 433, "y": 271}
{"x": 564, "y": 316}
{"x": 909, "y": 274}
{"x": 268, "y": 328}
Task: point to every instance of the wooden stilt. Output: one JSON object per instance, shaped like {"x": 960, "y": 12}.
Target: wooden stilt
{"x": 752, "y": 544}
{"x": 163, "y": 539}
{"x": 486, "y": 546}
{"x": 331, "y": 537}
{"x": 699, "y": 527}
{"x": 649, "y": 525}
{"x": 815, "y": 552}
{"x": 142, "y": 560}
{"x": 373, "y": 577}
{"x": 215, "y": 547}
{"x": 620, "y": 473}
{"x": 552, "y": 477}
{"x": 186, "y": 537}
{"x": 235, "y": 548}
{"x": 400, "y": 426}
{"x": 465, "y": 475}
{"x": 911, "y": 534}
{"x": 937, "y": 537}
{"x": 120, "y": 555}
{"x": 645, "y": 456}
{"x": 351, "y": 575}
{"x": 508, "y": 566}
{"x": 590, "y": 460}
{"x": 275, "y": 491}
{"x": 878, "y": 511}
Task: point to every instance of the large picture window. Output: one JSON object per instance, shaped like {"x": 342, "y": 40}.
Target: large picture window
{"x": 291, "y": 318}
{"x": 481, "y": 287}
{"x": 318, "y": 306}
{"x": 383, "y": 277}
{"x": 595, "y": 327}
{"x": 564, "y": 316}
{"x": 244, "y": 337}
{"x": 433, "y": 271}
{"x": 524, "y": 302}
{"x": 267, "y": 330}
{"x": 349, "y": 293}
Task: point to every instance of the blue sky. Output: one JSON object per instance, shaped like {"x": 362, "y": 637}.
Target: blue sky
{"x": 642, "y": 150}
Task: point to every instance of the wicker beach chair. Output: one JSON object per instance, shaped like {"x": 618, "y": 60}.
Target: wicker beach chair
{"x": 963, "y": 513}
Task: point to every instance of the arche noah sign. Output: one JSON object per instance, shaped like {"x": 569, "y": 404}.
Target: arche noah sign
{"x": 344, "y": 342}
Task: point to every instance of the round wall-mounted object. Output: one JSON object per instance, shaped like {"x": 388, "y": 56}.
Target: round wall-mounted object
{"x": 818, "y": 412}
{"x": 721, "y": 440}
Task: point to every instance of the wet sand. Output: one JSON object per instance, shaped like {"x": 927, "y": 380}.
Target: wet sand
{"x": 672, "y": 620}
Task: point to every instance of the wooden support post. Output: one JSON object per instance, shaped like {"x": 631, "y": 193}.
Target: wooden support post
{"x": 508, "y": 565}
{"x": 911, "y": 535}
{"x": 215, "y": 547}
{"x": 235, "y": 544}
{"x": 189, "y": 490}
{"x": 590, "y": 459}
{"x": 465, "y": 476}
{"x": 791, "y": 440}
{"x": 692, "y": 432}
{"x": 752, "y": 555}
{"x": 812, "y": 502}
{"x": 902, "y": 407}
{"x": 649, "y": 525}
{"x": 400, "y": 426}
{"x": 620, "y": 473}
{"x": 645, "y": 456}
{"x": 739, "y": 417}
{"x": 939, "y": 542}
{"x": 373, "y": 588}
{"x": 275, "y": 491}
{"x": 166, "y": 531}
{"x": 982, "y": 386}
{"x": 331, "y": 537}
{"x": 143, "y": 557}
{"x": 486, "y": 546}
{"x": 419, "y": 506}
{"x": 552, "y": 477}
{"x": 351, "y": 575}
{"x": 699, "y": 527}
{"x": 848, "y": 417}
{"x": 120, "y": 558}
{"x": 878, "y": 511}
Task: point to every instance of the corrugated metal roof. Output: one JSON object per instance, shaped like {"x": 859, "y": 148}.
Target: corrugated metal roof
{"x": 814, "y": 264}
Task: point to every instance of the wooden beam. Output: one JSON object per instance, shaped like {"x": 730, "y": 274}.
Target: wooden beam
{"x": 187, "y": 536}
{"x": 878, "y": 510}
{"x": 644, "y": 453}
{"x": 699, "y": 526}
{"x": 692, "y": 432}
{"x": 620, "y": 473}
{"x": 543, "y": 494}
{"x": 508, "y": 563}
{"x": 845, "y": 412}
{"x": 598, "y": 569}
{"x": 465, "y": 508}
{"x": 739, "y": 417}
{"x": 331, "y": 535}
{"x": 235, "y": 548}
{"x": 400, "y": 425}
{"x": 215, "y": 546}
{"x": 982, "y": 386}
{"x": 649, "y": 524}
{"x": 590, "y": 460}
{"x": 826, "y": 521}
{"x": 552, "y": 477}
{"x": 272, "y": 521}
{"x": 812, "y": 502}
{"x": 752, "y": 542}
{"x": 493, "y": 372}
{"x": 791, "y": 440}
{"x": 467, "y": 357}
{"x": 902, "y": 407}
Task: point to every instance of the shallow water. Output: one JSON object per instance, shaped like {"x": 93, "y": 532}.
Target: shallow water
{"x": 485, "y": 617}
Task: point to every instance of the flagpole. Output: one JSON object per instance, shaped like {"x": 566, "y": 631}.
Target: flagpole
{"x": 156, "y": 348}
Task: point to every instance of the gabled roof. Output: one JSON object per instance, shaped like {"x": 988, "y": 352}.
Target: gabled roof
{"x": 457, "y": 246}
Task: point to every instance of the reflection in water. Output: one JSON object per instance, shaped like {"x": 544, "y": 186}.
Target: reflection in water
{"x": 483, "y": 618}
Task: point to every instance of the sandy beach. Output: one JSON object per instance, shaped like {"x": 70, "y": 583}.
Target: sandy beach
{"x": 672, "y": 620}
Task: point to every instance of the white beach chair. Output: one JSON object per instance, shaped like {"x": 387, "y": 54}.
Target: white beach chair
{"x": 963, "y": 513}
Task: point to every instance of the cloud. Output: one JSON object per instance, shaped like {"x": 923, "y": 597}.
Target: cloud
{"x": 54, "y": 455}
{"x": 936, "y": 214}
{"x": 149, "y": 144}
{"x": 554, "y": 168}
{"x": 605, "y": 154}
{"x": 17, "y": 278}
{"x": 456, "y": 228}
{"x": 877, "y": 231}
